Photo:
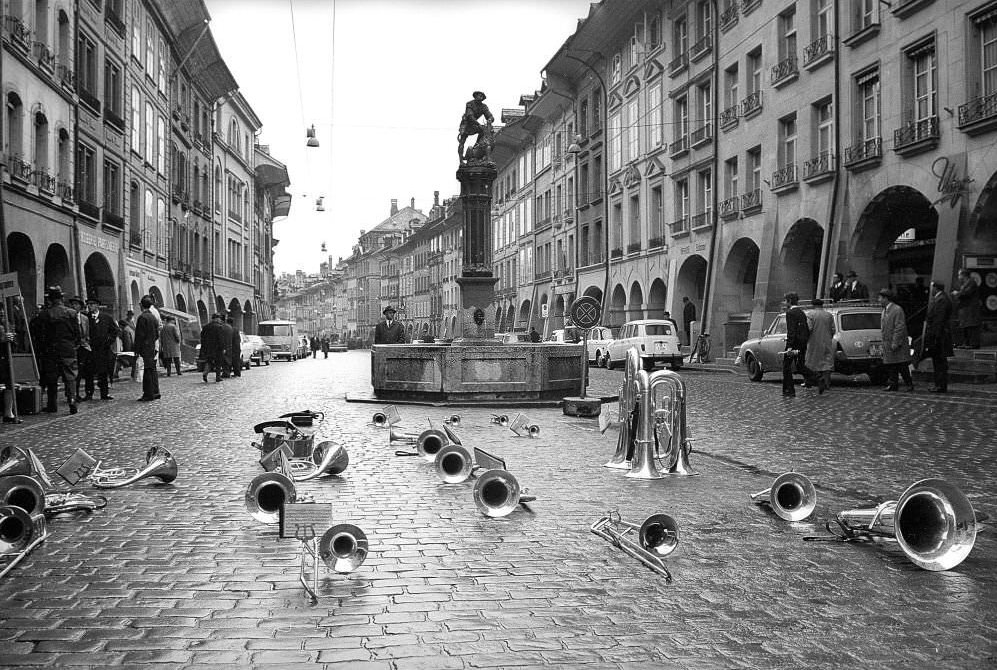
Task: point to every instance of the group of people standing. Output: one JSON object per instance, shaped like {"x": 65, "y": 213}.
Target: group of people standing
{"x": 221, "y": 346}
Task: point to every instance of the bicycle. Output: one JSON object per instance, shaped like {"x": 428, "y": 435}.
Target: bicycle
{"x": 701, "y": 349}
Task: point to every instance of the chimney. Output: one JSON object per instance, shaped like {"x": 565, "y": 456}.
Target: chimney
{"x": 412, "y": 203}
{"x": 436, "y": 198}
{"x": 394, "y": 207}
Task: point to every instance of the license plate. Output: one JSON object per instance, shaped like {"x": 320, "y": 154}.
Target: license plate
{"x": 660, "y": 346}
{"x": 875, "y": 349}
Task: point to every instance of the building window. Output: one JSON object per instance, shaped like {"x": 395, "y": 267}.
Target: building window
{"x": 730, "y": 177}
{"x": 161, "y": 145}
{"x": 654, "y": 32}
{"x": 823, "y": 18}
{"x": 150, "y": 134}
{"x": 787, "y": 141}
{"x": 635, "y": 236}
{"x": 704, "y": 20}
{"x": 136, "y": 31}
{"x": 704, "y": 104}
{"x": 730, "y": 86}
{"x": 161, "y": 229}
{"x": 869, "y": 97}
{"x": 597, "y": 110}
{"x": 13, "y": 130}
{"x": 112, "y": 188}
{"x": 657, "y": 213}
{"x": 655, "y": 115}
{"x": 617, "y": 74}
{"x": 924, "y": 80}
{"x": 705, "y": 190}
{"x": 163, "y": 62}
{"x": 824, "y": 131}
{"x": 754, "y": 172}
{"x": 86, "y": 69}
{"x": 681, "y": 118}
{"x": 40, "y": 153}
{"x": 583, "y": 112}
{"x": 866, "y": 13}
{"x": 150, "y": 47}
{"x": 681, "y": 40}
{"x": 86, "y": 174}
{"x": 135, "y": 209}
{"x": 754, "y": 67}
{"x": 633, "y": 130}
{"x": 988, "y": 53}
{"x": 136, "y": 129}
{"x": 112, "y": 91}
{"x": 681, "y": 199}
{"x": 787, "y": 34}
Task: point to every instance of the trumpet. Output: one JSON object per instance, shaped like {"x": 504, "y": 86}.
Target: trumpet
{"x": 500, "y": 419}
{"x": 388, "y": 416}
{"x": 792, "y": 496}
{"x": 327, "y": 458}
{"x": 657, "y": 537}
{"x": 452, "y": 420}
{"x": 933, "y": 522}
{"x": 20, "y": 532}
{"x": 497, "y": 493}
{"x": 159, "y": 464}
{"x": 628, "y": 404}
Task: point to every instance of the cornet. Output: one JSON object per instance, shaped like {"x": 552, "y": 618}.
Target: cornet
{"x": 658, "y": 536}
{"x": 522, "y": 424}
{"x": 792, "y": 496}
{"x": 388, "y": 416}
{"x": 933, "y": 522}
{"x": 497, "y": 493}
{"x": 452, "y": 420}
{"x": 159, "y": 464}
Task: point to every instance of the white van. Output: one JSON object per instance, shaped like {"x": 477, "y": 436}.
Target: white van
{"x": 656, "y": 340}
{"x": 281, "y": 337}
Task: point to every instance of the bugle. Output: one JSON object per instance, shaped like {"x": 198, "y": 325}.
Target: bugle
{"x": 497, "y": 493}
{"x": 160, "y": 464}
{"x": 933, "y": 522}
{"x": 657, "y": 536}
{"x": 792, "y": 496}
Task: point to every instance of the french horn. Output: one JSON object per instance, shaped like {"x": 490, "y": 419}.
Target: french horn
{"x": 792, "y": 496}
{"x": 328, "y": 458}
{"x": 497, "y": 493}
{"x": 933, "y": 522}
{"x": 160, "y": 465}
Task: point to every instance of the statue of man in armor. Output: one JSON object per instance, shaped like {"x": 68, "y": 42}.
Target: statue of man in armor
{"x": 469, "y": 125}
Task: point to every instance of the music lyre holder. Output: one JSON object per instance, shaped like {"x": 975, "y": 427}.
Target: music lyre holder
{"x": 299, "y": 521}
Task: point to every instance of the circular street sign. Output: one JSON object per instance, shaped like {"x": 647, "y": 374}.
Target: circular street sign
{"x": 585, "y": 312}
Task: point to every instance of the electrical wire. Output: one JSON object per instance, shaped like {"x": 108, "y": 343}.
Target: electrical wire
{"x": 297, "y": 64}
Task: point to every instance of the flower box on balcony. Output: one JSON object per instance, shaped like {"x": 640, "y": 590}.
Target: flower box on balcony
{"x": 785, "y": 72}
{"x": 917, "y": 137}
{"x": 978, "y": 115}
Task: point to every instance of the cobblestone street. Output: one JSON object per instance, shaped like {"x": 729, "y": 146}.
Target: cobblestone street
{"x": 180, "y": 576}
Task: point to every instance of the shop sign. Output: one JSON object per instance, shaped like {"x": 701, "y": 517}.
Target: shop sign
{"x": 950, "y": 185}
{"x": 94, "y": 240}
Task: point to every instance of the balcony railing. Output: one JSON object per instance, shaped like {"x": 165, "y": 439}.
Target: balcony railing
{"x": 784, "y": 71}
{"x": 728, "y": 17}
{"x": 702, "y": 220}
{"x": 19, "y": 168}
{"x": 633, "y": 247}
{"x": 135, "y": 238}
{"x": 749, "y": 6}
{"x": 752, "y": 200}
{"x": 752, "y": 104}
{"x": 679, "y": 146}
{"x": 701, "y": 47}
{"x": 819, "y": 51}
{"x": 728, "y": 117}
{"x": 980, "y": 112}
{"x": 916, "y": 135}
{"x": 678, "y": 64}
{"x": 702, "y": 135}
{"x": 862, "y": 152}
{"x": 784, "y": 177}
{"x": 730, "y": 207}
{"x": 66, "y": 192}
{"x": 44, "y": 181}
{"x": 681, "y": 226}
{"x": 821, "y": 165}
{"x": 44, "y": 56}
{"x": 114, "y": 20}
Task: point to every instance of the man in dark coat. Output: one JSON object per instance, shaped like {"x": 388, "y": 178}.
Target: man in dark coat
{"x": 228, "y": 355}
{"x": 688, "y": 316}
{"x": 235, "y": 348}
{"x": 838, "y": 289}
{"x": 213, "y": 348}
{"x": 938, "y": 336}
{"x": 797, "y": 334}
{"x": 969, "y": 310}
{"x": 389, "y": 331}
{"x": 854, "y": 289}
{"x": 146, "y": 340}
{"x": 60, "y": 327}
{"x": 103, "y": 332}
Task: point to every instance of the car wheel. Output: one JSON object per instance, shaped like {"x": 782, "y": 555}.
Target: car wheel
{"x": 755, "y": 372}
{"x": 877, "y": 376}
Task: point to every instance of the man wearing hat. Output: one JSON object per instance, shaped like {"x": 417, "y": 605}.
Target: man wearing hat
{"x": 854, "y": 289}
{"x": 896, "y": 344}
{"x": 213, "y": 347}
{"x": 146, "y": 346}
{"x": 103, "y": 332}
{"x": 389, "y": 331}
{"x": 83, "y": 362}
{"x": 60, "y": 327}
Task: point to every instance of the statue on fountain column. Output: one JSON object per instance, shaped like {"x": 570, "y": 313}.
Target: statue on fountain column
{"x": 481, "y": 152}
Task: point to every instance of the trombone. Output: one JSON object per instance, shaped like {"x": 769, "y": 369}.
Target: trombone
{"x": 792, "y": 496}
{"x": 20, "y": 532}
{"x": 343, "y": 548}
{"x": 933, "y": 522}
{"x": 159, "y": 464}
{"x": 657, "y": 537}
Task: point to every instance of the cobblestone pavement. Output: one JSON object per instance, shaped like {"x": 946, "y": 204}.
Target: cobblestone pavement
{"x": 180, "y": 576}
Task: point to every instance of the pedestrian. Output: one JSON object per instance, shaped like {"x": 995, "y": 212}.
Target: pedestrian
{"x": 854, "y": 289}
{"x": 146, "y": 346}
{"x": 969, "y": 310}
{"x": 60, "y": 328}
{"x": 314, "y": 345}
{"x": 820, "y": 345}
{"x": 7, "y": 338}
{"x": 103, "y": 334}
{"x": 213, "y": 348}
{"x": 325, "y": 346}
{"x": 688, "y": 316}
{"x": 667, "y": 316}
{"x": 896, "y": 342}
{"x": 534, "y": 335}
{"x": 938, "y": 336}
{"x": 838, "y": 289}
{"x": 797, "y": 334}
{"x": 84, "y": 364}
{"x": 127, "y": 335}
{"x": 228, "y": 356}
{"x": 235, "y": 348}
{"x": 170, "y": 345}
{"x": 389, "y": 331}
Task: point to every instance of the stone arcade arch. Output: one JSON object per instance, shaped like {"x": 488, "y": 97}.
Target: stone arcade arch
{"x": 524, "y": 315}
{"x": 248, "y": 319}
{"x": 657, "y": 298}
{"x": 510, "y": 318}
{"x": 878, "y": 256}
{"x": 157, "y": 296}
{"x": 617, "y": 307}
{"x": 798, "y": 268}
{"x": 136, "y": 296}
{"x": 499, "y": 322}
{"x": 558, "y": 314}
{"x": 635, "y": 306}
{"x": 982, "y": 223}
{"x": 21, "y": 253}
{"x": 235, "y": 313}
{"x": 99, "y": 280}
{"x": 57, "y": 270}
{"x": 181, "y": 302}
{"x": 219, "y": 304}
{"x": 735, "y": 290}
{"x": 202, "y": 312}
{"x": 689, "y": 282}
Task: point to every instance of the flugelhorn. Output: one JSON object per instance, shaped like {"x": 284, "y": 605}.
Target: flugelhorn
{"x": 628, "y": 405}
{"x": 328, "y": 458}
{"x": 497, "y": 493}
{"x": 159, "y": 464}
{"x": 792, "y": 496}
{"x": 657, "y": 537}
{"x": 933, "y": 522}
{"x": 454, "y": 464}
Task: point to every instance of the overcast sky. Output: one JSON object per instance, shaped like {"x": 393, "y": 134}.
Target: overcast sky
{"x": 384, "y": 82}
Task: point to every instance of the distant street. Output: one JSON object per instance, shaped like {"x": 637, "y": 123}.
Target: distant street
{"x": 180, "y": 576}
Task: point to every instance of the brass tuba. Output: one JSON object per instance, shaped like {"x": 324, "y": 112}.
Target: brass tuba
{"x": 933, "y": 522}
{"x": 327, "y": 458}
{"x": 159, "y": 464}
{"x": 497, "y": 493}
{"x": 454, "y": 464}
{"x": 792, "y": 496}
{"x": 671, "y": 430}
{"x": 643, "y": 464}
{"x": 657, "y": 536}
{"x": 627, "y": 406}
{"x": 14, "y": 461}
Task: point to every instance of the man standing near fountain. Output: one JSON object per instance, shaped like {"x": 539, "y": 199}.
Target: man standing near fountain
{"x": 389, "y": 331}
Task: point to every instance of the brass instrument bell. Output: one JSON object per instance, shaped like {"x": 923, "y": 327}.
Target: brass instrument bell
{"x": 792, "y": 496}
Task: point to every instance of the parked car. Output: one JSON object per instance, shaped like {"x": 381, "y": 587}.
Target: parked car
{"x": 858, "y": 344}
{"x": 565, "y": 336}
{"x": 513, "y": 338}
{"x": 246, "y": 350}
{"x": 598, "y": 344}
{"x": 261, "y": 351}
{"x": 656, "y": 340}
{"x": 282, "y": 338}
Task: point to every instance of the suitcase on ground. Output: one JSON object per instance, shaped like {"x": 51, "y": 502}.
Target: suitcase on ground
{"x": 28, "y": 398}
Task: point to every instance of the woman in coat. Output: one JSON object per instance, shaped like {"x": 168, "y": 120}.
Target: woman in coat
{"x": 170, "y": 345}
{"x": 820, "y": 345}
{"x": 896, "y": 343}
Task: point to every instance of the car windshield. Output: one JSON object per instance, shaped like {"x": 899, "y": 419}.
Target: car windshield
{"x": 274, "y": 330}
{"x": 658, "y": 329}
{"x": 860, "y": 321}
